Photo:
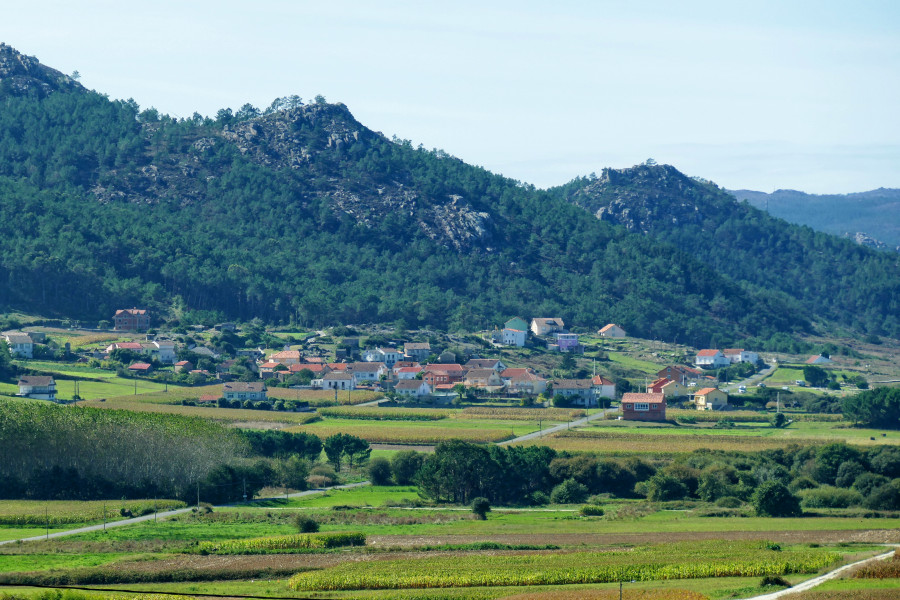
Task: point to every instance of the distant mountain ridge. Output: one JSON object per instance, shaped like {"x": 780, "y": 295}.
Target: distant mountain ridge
{"x": 300, "y": 213}
{"x": 875, "y": 213}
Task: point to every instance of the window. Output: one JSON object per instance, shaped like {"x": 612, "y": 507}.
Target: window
{"x": 641, "y": 406}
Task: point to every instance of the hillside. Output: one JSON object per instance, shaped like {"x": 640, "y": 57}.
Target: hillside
{"x": 818, "y": 275}
{"x": 300, "y": 213}
{"x": 873, "y": 213}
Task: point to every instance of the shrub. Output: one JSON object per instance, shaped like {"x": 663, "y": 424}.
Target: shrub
{"x": 662, "y": 487}
{"x": 729, "y": 502}
{"x": 770, "y": 580}
{"x": 539, "y": 498}
{"x": 405, "y": 465}
{"x": 830, "y": 497}
{"x": 306, "y": 524}
{"x": 802, "y": 483}
{"x": 590, "y": 510}
{"x": 568, "y": 492}
{"x": 867, "y": 482}
{"x": 847, "y": 473}
{"x": 380, "y": 471}
{"x": 885, "y": 497}
{"x": 481, "y": 507}
{"x": 773, "y": 499}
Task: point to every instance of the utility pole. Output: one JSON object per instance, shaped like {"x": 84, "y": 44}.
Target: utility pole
{"x": 104, "y": 517}
{"x": 47, "y": 521}
{"x": 245, "y": 489}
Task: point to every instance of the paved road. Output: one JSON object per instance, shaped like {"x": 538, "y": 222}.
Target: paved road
{"x": 752, "y": 380}
{"x": 600, "y": 414}
{"x": 811, "y": 583}
{"x": 168, "y": 513}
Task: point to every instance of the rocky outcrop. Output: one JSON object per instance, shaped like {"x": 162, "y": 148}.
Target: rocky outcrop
{"x": 647, "y": 197}
{"x": 864, "y": 239}
{"x": 22, "y": 75}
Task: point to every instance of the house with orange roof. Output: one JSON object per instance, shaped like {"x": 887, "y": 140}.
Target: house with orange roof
{"x": 711, "y": 359}
{"x": 710, "y": 398}
{"x": 611, "y": 331}
{"x": 523, "y": 381}
{"x": 643, "y": 407}
{"x": 603, "y": 387}
{"x": 131, "y": 319}
{"x": 286, "y": 357}
{"x": 404, "y": 373}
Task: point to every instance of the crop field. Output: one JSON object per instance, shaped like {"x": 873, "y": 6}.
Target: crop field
{"x": 407, "y": 432}
{"x": 233, "y": 415}
{"x": 324, "y": 397}
{"x": 378, "y": 413}
{"x": 747, "y": 416}
{"x": 38, "y": 513}
{"x": 654, "y": 562}
{"x": 641, "y": 442}
{"x": 522, "y": 414}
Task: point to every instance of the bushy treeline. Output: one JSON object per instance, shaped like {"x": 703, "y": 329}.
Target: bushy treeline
{"x": 69, "y": 452}
{"x": 830, "y": 476}
{"x": 877, "y": 408}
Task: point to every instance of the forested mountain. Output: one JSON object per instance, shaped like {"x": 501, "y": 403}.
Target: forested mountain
{"x": 875, "y": 213}
{"x": 818, "y": 275}
{"x": 300, "y": 213}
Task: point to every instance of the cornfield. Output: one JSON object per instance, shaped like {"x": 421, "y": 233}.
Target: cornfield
{"x": 375, "y": 413}
{"x": 19, "y": 513}
{"x": 629, "y": 594}
{"x": 324, "y": 397}
{"x": 521, "y": 414}
{"x": 882, "y": 569}
{"x": 300, "y": 541}
{"x": 213, "y": 413}
{"x": 745, "y": 416}
{"x": 661, "y": 561}
{"x": 660, "y": 443}
{"x": 407, "y": 435}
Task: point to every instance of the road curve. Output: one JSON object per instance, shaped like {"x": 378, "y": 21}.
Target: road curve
{"x": 811, "y": 583}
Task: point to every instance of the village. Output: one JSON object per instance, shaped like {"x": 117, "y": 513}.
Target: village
{"x": 412, "y": 372}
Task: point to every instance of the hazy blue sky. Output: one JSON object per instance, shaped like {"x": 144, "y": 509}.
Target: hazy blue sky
{"x": 755, "y": 94}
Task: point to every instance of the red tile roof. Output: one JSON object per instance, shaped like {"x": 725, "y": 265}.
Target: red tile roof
{"x": 705, "y": 391}
{"x": 707, "y": 352}
{"x": 601, "y": 380}
{"x": 649, "y": 398}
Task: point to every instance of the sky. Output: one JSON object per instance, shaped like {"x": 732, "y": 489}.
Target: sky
{"x": 759, "y": 95}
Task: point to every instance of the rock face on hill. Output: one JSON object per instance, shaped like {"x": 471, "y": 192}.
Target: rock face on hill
{"x": 25, "y": 75}
{"x": 646, "y": 198}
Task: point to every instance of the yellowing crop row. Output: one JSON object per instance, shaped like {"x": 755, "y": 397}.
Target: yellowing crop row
{"x": 300, "y": 541}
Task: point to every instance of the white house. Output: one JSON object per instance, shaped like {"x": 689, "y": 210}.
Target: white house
{"x": 739, "y": 355}
{"x": 603, "y": 387}
{"x": 408, "y": 372}
{"x": 612, "y": 331}
{"x": 338, "y": 380}
{"x": 580, "y": 392}
{"x": 545, "y": 326}
{"x": 163, "y": 351}
{"x": 512, "y": 337}
{"x": 363, "y": 372}
{"x": 240, "y": 390}
{"x": 387, "y": 356}
{"x": 38, "y": 387}
{"x": 818, "y": 359}
{"x": 412, "y": 387}
{"x": 20, "y": 344}
{"x": 711, "y": 359}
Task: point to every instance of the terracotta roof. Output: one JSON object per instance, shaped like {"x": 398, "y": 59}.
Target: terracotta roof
{"x": 705, "y": 391}
{"x": 337, "y": 366}
{"x": 418, "y": 369}
{"x": 708, "y": 352}
{"x": 128, "y": 346}
{"x": 445, "y": 386}
{"x": 269, "y": 365}
{"x": 600, "y": 380}
{"x": 286, "y": 355}
{"x": 608, "y": 327}
{"x": 140, "y": 366}
{"x": 312, "y": 367}
{"x": 315, "y": 360}
{"x": 182, "y": 363}
{"x": 650, "y": 398}
{"x": 208, "y": 398}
